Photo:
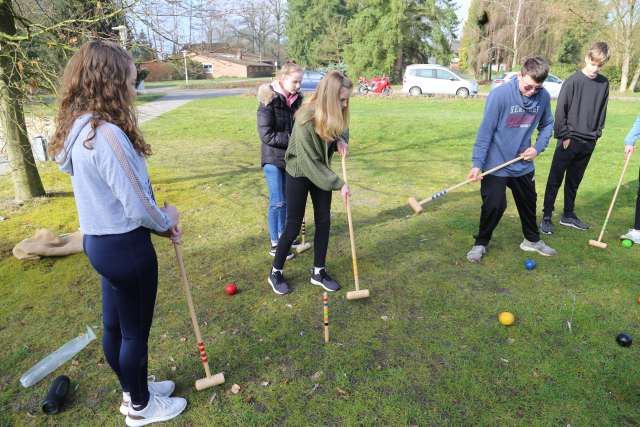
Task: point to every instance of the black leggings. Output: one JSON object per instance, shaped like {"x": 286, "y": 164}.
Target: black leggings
{"x": 297, "y": 190}
{"x": 129, "y": 268}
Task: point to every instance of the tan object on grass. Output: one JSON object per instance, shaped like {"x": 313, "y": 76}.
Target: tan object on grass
{"x": 46, "y": 243}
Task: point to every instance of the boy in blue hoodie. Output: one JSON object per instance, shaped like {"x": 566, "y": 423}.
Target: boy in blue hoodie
{"x": 511, "y": 114}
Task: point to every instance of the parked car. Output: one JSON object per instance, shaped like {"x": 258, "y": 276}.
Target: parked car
{"x": 552, "y": 84}
{"x": 432, "y": 79}
{"x": 311, "y": 80}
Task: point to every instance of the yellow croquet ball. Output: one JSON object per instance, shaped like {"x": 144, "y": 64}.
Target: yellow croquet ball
{"x": 506, "y": 318}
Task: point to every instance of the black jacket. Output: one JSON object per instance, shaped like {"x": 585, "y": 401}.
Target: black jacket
{"x": 275, "y": 123}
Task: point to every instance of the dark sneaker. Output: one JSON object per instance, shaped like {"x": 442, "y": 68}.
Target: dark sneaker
{"x": 272, "y": 252}
{"x": 278, "y": 284}
{"x": 323, "y": 279}
{"x": 574, "y": 222}
{"x": 546, "y": 226}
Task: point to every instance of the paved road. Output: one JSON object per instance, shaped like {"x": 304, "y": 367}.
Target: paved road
{"x": 174, "y": 98}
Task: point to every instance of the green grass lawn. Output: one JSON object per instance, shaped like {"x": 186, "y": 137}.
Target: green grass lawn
{"x": 425, "y": 349}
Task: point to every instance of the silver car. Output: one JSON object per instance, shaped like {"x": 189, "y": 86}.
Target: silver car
{"x": 552, "y": 84}
{"x": 432, "y": 79}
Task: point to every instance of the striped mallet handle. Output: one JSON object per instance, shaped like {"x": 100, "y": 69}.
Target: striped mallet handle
{"x": 460, "y": 184}
{"x": 192, "y": 311}
{"x": 325, "y": 316}
{"x": 303, "y": 230}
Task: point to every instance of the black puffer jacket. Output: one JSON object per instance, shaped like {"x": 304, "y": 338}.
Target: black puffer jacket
{"x": 275, "y": 122}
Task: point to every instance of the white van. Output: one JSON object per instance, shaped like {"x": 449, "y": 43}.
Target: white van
{"x": 432, "y": 79}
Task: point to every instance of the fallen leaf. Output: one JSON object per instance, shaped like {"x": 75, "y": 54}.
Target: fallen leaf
{"x": 212, "y": 398}
{"x": 264, "y": 383}
{"x": 247, "y": 399}
{"x": 342, "y": 392}
{"x": 385, "y": 318}
{"x": 286, "y": 381}
{"x": 317, "y": 376}
{"x": 510, "y": 340}
{"x": 183, "y": 339}
{"x": 173, "y": 369}
{"x": 235, "y": 389}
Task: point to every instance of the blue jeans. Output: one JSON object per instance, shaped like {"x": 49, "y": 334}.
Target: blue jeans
{"x": 277, "y": 214}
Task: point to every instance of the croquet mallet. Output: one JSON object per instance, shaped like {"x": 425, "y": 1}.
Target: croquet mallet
{"x": 358, "y": 293}
{"x": 209, "y": 380}
{"x": 303, "y": 246}
{"x": 599, "y": 243}
{"x": 417, "y": 206}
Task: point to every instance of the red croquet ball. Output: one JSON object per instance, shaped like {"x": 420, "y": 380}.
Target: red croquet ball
{"x": 231, "y": 289}
{"x": 638, "y": 299}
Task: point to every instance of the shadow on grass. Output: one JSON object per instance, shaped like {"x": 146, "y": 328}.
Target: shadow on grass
{"x": 231, "y": 173}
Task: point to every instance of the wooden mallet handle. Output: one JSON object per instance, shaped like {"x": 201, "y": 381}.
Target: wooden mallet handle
{"x": 613, "y": 200}
{"x": 351, "y": 233}
{"x": 192, "y": 311}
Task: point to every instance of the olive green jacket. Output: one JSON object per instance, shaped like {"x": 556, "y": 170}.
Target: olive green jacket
{"x": 309, "y": 156}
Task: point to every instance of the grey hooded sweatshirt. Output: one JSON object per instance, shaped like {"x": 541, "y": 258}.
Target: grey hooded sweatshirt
{"x": 110, "y": 182}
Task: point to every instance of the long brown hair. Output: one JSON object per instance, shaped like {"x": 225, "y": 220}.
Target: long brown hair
{"x": 330, "y": 119}
{"x": 96, "y": 81}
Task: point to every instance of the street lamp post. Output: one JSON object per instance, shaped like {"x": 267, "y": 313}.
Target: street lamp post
{"x": 186, "y": 73}
{"x": 122, "y": 30}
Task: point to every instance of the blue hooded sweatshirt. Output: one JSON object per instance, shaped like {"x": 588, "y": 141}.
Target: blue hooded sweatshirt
{"x": 506, "y": 129}
{"x": 110, "y": 183}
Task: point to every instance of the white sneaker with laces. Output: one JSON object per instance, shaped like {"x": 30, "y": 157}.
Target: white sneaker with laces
{"x": 541, "y": 247}
{"x": 163, "y": 388}
{"x": 159, "y": 408}
{"x": 633, "y": 235}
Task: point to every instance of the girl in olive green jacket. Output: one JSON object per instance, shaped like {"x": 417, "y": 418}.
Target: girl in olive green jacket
{"x": 320, "y": 129}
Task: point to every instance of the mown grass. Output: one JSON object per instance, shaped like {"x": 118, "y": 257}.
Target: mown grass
{"x": 424, "y": 349}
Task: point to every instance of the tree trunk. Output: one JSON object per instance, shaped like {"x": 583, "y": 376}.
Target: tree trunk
{"x": 24, "y": 173}
{"x": 634, "y": 80}
{"x": 514, "y": 62}
{"x": 626, "y": 60}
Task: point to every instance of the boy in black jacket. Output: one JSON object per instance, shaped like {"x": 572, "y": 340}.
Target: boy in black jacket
{"x": 580, "y": 116}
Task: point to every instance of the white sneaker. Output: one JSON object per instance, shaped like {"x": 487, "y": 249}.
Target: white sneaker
{"x": 159, "y": 408}
{"x": 476, "y": 253}
{"x": 162, "y": 388}
{"x": 633, "y": 235}
{"x": 541, "y": 247}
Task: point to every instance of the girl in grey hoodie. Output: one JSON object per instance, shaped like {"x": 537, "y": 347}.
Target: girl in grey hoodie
{"x": 98, "y": 143}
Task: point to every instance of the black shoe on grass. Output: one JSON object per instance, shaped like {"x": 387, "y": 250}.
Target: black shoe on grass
{"x": 323, "y": 279}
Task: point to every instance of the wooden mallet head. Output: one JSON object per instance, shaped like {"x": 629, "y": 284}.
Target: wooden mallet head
{"x": 417, "y": 207}
{"x": 598, "y": 244}
{"x": 303, "y": 247}
{"x": 360, "y": 294}
{"x": 210, "y": 381}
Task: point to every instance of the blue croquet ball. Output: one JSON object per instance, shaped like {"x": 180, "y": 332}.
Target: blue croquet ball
{"x": 529, "y": 264}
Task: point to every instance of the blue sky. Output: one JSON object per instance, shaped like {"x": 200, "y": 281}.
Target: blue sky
{"x": 463, "y": 9}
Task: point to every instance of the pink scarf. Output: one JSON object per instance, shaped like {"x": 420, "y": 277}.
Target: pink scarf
{"x": 289, "y": 97}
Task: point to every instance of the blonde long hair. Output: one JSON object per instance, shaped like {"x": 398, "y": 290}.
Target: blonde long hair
{"x": 330, "y": 119}
{"x": 96, "y": 81}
